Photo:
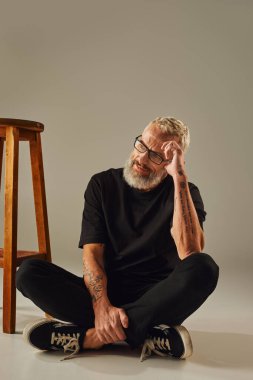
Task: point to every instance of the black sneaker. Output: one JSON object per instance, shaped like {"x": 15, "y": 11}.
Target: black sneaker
{"x": 50, "y": 334}
{"x": 167, "y": 341}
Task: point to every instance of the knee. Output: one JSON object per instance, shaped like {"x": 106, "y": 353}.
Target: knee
{"x": 210, "y": 270}
{"x": 25, "y": 272}
{"x": 207, "y": 270}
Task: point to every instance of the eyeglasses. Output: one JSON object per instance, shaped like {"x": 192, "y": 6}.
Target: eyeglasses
{"x": 153, "y": 156}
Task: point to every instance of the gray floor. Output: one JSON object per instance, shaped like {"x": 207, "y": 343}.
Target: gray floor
{"x": 221, "y": 332}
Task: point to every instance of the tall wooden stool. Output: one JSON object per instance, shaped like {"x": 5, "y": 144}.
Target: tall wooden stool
{"x": 13, "y": 131}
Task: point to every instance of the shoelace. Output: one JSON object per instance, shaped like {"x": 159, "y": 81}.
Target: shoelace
{"x": 151, "y": 344}
{"x": 69, "y": 343}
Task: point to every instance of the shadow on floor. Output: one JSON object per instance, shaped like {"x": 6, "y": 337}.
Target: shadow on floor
{"x": 214, "y": 350}
{"x": 210, "y": 349}
{"x": 117, "y": 360}
{"x": 222, "y": 349}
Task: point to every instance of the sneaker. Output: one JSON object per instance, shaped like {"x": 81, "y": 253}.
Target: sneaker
{"x": 46, "y": 334}
{"x": 167, "y": 341}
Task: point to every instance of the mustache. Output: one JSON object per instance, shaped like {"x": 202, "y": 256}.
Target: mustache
{"x": 143, "y": 166}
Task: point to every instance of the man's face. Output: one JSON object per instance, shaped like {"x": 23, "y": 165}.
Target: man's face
{"x": 140, "y": 171}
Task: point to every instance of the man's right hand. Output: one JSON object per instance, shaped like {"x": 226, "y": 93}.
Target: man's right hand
{"x": 109, "y": 322}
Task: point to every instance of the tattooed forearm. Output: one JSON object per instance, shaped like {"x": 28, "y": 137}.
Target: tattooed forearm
{"x": 186, "y": 230}
{"x": 94, "y": 283}
{"x": 185, "y": 216}
{"x": 189, "y": 213}
{"x": 183, "y": 210}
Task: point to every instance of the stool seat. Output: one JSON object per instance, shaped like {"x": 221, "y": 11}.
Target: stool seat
{"x": 25, "y": 128}
{"x": 12, "y": 131}
{"x": 22, "y": 124}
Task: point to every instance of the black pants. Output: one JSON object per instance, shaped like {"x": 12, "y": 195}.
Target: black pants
{"x": 170, "y": 301}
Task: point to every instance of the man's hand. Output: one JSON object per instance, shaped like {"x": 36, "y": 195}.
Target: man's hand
{"x": 173, "y": 152}
{"x": 109, "y": 323}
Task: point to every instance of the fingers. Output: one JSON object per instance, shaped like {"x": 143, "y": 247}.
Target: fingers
{"x": 107, "y": 335}
{"x": 102, "y": 336}
{"x": 123, "y": 318}
{"x": 172, "y": 149}
{"x": 112, "y": 330}
{"x": 121, "y": 322}
{"x": 117, "y": 331}
{"x": 172, "y": 144}
{"x": 111, "y": 334}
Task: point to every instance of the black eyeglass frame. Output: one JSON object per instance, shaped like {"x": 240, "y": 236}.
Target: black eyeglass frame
{"x": 150, "y": 151}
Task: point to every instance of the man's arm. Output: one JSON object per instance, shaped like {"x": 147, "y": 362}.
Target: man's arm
{"x": 94, "y": 275}
{"x": 109, "y": 320}
{"x": 186, "y": 230}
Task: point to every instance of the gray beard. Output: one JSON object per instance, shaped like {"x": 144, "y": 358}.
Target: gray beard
{"x": 140, "y": 182}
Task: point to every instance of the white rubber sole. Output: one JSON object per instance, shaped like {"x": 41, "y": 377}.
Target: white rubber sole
{"x": 186, "y": 338}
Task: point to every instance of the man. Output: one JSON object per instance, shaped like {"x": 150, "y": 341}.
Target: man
{"x": 144, "y": 269}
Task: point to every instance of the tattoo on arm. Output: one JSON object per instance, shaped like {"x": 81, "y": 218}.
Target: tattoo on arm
{"x": 183, "y": 209}
{"x": 94, "y": 283}
{"x": 183, "y": 187}
{"x": 190, "y": 215}
{"x": 180, "y": 171}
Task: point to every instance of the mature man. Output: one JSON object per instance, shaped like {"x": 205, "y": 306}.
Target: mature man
{"x": 144, "y": 269}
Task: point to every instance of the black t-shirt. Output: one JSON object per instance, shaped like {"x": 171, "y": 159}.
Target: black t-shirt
{"x": 134, "y": 225}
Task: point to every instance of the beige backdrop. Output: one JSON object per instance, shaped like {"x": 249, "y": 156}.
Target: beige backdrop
{"x": 96, "y": 72}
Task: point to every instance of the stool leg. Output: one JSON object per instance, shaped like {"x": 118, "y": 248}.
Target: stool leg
{"x": 40, "y": 196}
{"x": 10, "y": 229}
{"x": 1, "y": 157}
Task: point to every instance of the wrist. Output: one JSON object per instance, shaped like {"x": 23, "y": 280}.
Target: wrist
{"x": 101, "y": 303}
{"x": 181, "y": 176}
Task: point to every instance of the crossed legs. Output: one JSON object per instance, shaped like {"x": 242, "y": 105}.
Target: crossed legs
{"x": 64, "y": 295}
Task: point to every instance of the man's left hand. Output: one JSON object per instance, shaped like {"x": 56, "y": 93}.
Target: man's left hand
{"x": 173, "y": 152}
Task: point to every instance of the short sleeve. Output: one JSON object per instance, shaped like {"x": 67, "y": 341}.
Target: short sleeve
{"x": 198, "y": 203}
{"x": 93, "y": 227}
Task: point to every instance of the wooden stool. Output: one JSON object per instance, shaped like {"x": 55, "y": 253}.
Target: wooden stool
{"x": 13, "y": 131}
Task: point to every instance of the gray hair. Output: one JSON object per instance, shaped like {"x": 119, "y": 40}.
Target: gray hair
{"x": 174, "y": 127}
